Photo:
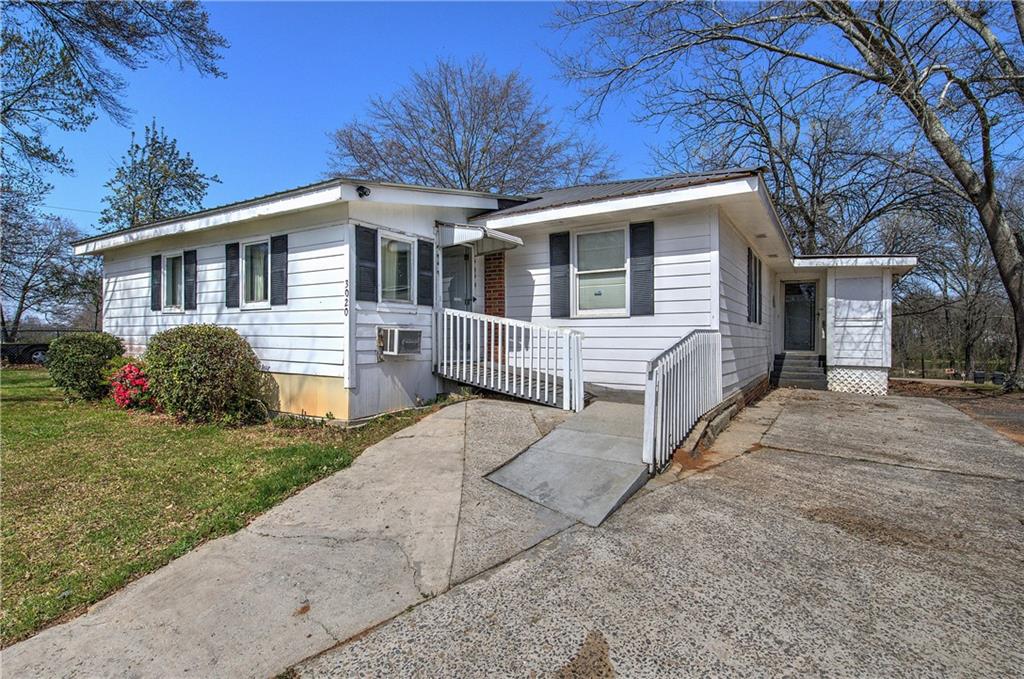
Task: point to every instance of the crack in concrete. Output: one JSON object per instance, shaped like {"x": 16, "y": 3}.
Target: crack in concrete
{"x": 413, "y": 566}
{"x": 462, "y": 491}
{"x": 848, "y": 458}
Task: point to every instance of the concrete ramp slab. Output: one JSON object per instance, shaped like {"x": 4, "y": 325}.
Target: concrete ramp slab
{"x": 586, "y": 467}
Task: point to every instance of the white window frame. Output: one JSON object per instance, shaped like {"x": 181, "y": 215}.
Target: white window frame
{"x": 396, "y": 304}
{"x": 164, "y": 287}
{"x": 242, "y": 304}
{"x": 575, "y": 272}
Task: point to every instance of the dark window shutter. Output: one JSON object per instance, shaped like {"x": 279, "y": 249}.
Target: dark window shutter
{"x": 190, "y": 279}
{"x": 750, "y": 286}
{"x": 156, "y": 271}
{"x": 558, "y": 252}
{"x": 231, "y": 264}
{"x": 760, "y": 300}
{"x": 366, "y": 264}
{"x": 424, "y": 273}
{"x": 641, "y": 269}
{"x": 279, "y": 270}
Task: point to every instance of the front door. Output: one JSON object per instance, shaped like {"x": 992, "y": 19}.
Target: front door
{"x": 800, "y": 309}
{"x": 457, "y": 278}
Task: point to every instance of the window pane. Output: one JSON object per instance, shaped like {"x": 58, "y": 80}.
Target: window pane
{"x": 174, "y": 281}
{"x": 396, "y": 270}
{"x": 256, "y": 279}
{"x": 601, "y": 250}
{"x": 602, "y": 291}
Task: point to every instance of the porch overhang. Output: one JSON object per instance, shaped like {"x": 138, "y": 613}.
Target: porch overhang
{"x": 898, "y": 264}
{"x": 486, "y": 240}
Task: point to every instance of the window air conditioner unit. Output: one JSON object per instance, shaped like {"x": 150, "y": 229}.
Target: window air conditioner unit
{"x": 399, "y": 341}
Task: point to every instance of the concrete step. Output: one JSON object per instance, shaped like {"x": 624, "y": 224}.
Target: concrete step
{"x": 820, "y": 383}
{"x": 587, "y": 467}
{"x": 799, "y": 360}
{"x": 799, "y": 370}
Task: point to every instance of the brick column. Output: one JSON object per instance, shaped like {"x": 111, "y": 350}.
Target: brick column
{"x": 494, "y": 284}
{"x": 494, "y": 295}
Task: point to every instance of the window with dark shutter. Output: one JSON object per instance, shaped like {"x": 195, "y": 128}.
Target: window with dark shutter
{"x": 760, "y": 297}
{"x": 753, "y": 287}
{"x": 366, "y": 264}
{"x": 558, "y": 258}
{"x": 750, "y": 286}
{"x": 424, "y": 273}
{"x": 191, "y": 282}
{"x": 156, "y": 272}
{"x": 641, "y": 269}
{"x": 279, "y": 270}
{"x": 231, "y": 270}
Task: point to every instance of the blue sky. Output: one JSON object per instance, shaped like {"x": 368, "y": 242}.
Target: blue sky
{"x": 298, "y": 70}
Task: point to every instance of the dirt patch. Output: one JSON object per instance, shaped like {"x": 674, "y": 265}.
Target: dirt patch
{"x": 590, "y": 661}
{"x": 877, "y": 530}
{"x": 1000, "y": 411}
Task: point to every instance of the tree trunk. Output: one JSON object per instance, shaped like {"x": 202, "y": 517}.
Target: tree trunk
{"x": 1001, "y": 238}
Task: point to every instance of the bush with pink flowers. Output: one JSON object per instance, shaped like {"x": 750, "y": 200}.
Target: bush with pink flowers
{"x": 130, "y": 386}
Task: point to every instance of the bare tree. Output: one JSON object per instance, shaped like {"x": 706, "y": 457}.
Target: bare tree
{"x": 830, "y": 187}
{"x": 952, "y": 69}
{"x": 35, "y": 254}
{"x": 465, "y": 126}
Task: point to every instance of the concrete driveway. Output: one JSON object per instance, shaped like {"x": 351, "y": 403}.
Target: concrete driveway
{"x": 412, "y": 516}
{"x": 856, "y": 536}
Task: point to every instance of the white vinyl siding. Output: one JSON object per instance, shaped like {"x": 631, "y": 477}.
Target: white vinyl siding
{"x": 306, "y": 336}
{"x": 616, "y": 350}
{"x": 746, "y": 352}
{"x": 396, "y": 381}
{"x": 859, "y": 309}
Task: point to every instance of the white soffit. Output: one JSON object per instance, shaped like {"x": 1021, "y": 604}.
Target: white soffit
{"x": 486, "y": 239}
{"x": 898, "y": 263}
{"x": 290, "y": 202}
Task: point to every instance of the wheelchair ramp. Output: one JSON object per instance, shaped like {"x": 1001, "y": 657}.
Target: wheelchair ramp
{"x": 586, "y": 467}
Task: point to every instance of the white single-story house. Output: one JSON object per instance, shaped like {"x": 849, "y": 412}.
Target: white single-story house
{"x": 362, "y": 297}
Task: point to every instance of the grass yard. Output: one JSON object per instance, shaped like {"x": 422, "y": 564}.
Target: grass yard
{"x": 93, "y": 496}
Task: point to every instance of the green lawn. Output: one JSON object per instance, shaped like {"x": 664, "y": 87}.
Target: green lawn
{"x": 92, "y": 496}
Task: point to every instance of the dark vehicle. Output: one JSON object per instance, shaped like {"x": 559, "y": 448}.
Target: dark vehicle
{"x": 32, "y": 345}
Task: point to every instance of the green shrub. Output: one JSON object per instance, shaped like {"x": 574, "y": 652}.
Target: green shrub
{"x": 204, "y": 373}
{"x": 78, "y": 362}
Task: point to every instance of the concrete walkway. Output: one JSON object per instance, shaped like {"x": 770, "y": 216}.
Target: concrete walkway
{"x": 878, "y": 537}
{"x": 587, "y": 467}
{"x": 408, "y": 519}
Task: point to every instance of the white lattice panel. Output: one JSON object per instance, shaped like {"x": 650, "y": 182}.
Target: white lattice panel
{"x": 871, "y": 381}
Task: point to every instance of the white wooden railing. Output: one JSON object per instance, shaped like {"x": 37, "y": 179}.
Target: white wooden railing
{"x": 683, "y": 383}
{"x": 527, "y": 360}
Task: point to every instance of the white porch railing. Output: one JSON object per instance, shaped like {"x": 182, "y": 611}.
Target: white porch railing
{"x": 683, "y": 383}
{"x": 527, "y": 360}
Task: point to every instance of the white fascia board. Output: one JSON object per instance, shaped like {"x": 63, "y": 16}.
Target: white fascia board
{"x": 292, "y": 203}
{"x": 302, "y": 201}
{"x": 905, "y": 262}
{"x": 691, "y": 193}
{"x": 423, "y": 197}
{"x": 769, "y": 207}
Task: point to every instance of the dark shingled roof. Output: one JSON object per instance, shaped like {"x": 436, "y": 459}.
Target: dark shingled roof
{"x": 588, "y": 193}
